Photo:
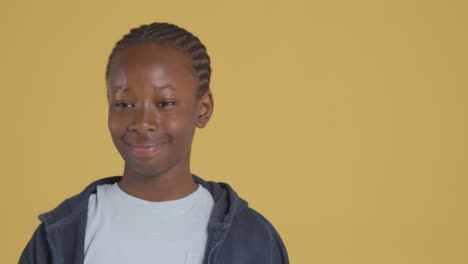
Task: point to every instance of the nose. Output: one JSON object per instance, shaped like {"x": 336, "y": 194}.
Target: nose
{"x": 145, "y": 119}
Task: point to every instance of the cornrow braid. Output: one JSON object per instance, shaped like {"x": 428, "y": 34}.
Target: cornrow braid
{"x": 171, "y": 35}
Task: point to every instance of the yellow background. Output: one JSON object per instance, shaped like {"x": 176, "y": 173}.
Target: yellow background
{"x": 343, "y": 122}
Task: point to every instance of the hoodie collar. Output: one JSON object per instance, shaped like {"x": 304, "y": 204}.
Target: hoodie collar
{"x": 227, "y": 204}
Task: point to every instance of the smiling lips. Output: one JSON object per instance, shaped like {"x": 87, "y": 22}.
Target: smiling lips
{"x": 145, "y": 150}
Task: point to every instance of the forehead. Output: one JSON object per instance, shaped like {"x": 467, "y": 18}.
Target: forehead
{"x": 154, "y": 63}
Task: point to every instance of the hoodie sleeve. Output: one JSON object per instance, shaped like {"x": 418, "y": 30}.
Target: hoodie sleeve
{"x": 279, "y": 255}
{"x": 37, "y": 250}
{"x": 250, "y": 239}
{"x": 278, "y": 252}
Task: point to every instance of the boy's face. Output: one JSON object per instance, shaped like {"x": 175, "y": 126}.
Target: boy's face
{"x": 153, "y": 108}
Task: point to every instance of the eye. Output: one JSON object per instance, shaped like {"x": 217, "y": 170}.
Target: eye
{"x": 123, "y": 105}
{"x": 166, "y": 103}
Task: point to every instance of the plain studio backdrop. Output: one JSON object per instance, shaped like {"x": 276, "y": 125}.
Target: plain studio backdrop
{"x": 343, "y": 122}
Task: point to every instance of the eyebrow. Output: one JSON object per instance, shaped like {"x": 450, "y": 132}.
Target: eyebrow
{"x": 164, "y": 87}
{"x": 123, "y": 88}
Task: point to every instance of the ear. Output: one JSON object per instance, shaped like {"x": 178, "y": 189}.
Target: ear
{"x": 205, "y": 109}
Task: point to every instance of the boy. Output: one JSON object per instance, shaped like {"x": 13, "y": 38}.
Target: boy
{"x": 158, "y": 212}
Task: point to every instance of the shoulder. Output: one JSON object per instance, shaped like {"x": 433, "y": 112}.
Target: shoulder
{"x": 254, "y": 223}
{"x": 71, "y": 207}
{"x": 253, "y": 239}
{"x": 37, "y": 249}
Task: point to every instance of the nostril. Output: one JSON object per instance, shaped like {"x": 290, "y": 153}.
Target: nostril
{"x": 143, "y": 125}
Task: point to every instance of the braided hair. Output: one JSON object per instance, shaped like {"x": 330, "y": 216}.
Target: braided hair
{"x": 169, "y": 35}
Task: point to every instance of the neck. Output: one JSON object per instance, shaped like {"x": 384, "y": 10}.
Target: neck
{"x": 171, "y": 185}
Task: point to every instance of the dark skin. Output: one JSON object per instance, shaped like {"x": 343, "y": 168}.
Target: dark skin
{"x": 154, "y": 110}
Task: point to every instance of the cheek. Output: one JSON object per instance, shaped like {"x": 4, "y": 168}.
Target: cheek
{"x": 181, "y": 127}
{"x": 116, "y": 124}
{"x": 177, "y": 126}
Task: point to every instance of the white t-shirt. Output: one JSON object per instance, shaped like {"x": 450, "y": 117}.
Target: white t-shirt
{"x": 122, "y": 229}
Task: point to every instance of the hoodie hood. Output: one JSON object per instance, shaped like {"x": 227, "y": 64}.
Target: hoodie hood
{"x": 227, "y": 204}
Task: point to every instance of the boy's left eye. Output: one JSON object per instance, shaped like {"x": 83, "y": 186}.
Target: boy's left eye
{"x": 166, "y": 103}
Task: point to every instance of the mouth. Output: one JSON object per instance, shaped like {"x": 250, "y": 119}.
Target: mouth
{"x": 144, "y": 150}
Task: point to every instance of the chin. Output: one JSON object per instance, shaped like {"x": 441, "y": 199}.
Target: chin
{"x": 143, "y": 169}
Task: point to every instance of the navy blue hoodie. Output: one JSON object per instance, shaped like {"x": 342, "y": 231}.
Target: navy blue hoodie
{"x": 237, "y": 234}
